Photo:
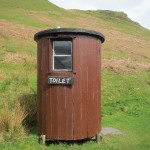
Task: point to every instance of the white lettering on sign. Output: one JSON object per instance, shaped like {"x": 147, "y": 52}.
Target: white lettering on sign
{"x": 60, "y": 80}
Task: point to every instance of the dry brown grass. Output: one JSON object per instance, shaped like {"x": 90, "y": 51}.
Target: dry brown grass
{"x": 116, "y": 40}
{"x": 134, "y": 45}
{"x": 16, "y": 30}
{"x": 124, "y": 65}
{"x": 11, "y": 121}
{"x": 41, "y": 18}
{"x": 2, "y": 75}
{"x": 30, "y": 103}
{"x": 18, "y": 58}
{"x": 14, "y": 58}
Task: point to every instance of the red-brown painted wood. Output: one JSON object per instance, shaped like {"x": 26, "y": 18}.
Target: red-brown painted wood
{"x": 70, "y": 112}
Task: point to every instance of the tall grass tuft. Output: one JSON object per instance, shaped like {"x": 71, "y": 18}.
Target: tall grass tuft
{"x": 29, "y": 102}
{"x": 11, "y": 121}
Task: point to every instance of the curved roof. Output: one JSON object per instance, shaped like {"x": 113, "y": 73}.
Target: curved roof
{"x": 68, "y": 31}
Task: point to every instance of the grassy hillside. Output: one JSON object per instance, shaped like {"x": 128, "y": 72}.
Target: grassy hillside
{"x": 125, "y": 74}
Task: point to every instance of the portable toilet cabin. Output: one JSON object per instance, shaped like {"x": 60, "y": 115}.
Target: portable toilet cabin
{"x": 69, "y": 83}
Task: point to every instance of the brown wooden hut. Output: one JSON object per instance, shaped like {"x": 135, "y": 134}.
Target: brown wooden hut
{"x": 69, "y": 83}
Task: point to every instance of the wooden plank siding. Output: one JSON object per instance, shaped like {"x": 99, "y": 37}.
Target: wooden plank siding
{"x": 70, "y": 112}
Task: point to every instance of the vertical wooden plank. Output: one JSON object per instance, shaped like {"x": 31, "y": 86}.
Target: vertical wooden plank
{"x": 44, "y": 85}
{"x": 83, "y": 86}
{"x": 61, "y": 94}
{"x": 41, "y": 104}
{"x": 48, "y": 116}
{"x": 96, "y": 90}
{"x": 39, "y": 128}
{"x": 54, "y": 112}
{"x": 77, "y": 91}
{"x": 69, "y": 113}
{"x": 92, "y": 81}
{"x": 90, "y": 98}
{"x": 48, "y": 108}
{"x": 99, "y": 86}
{"x": 96, "y": 87}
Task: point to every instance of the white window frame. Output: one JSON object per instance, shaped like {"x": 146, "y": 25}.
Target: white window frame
{"x": 53, "y": 55}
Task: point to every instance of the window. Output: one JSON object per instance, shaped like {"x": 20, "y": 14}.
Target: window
{"x": 62, "y": 55}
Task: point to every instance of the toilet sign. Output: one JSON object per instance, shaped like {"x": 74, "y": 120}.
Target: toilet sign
{"x": 60, "y": 80}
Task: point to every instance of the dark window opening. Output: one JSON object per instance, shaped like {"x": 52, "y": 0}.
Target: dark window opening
{"x": 62, "y": 55}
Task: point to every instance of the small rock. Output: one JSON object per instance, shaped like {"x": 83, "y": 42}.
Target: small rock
{"x": 110, "y": 131}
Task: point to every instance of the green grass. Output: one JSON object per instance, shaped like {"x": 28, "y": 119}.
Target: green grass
{"x": 38, "y": 5}
{"x": 19, "y": 17}
{"x": 126, "y": 102}
{"x": 125, "y": 106}
{"x": 132, "y": 128}
{"x": 125, "y": 95}
{"x": 25, "y": 12}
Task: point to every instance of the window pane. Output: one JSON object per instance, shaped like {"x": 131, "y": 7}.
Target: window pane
{"x": 63, "y": 62}
{"x": 62, "y": 47}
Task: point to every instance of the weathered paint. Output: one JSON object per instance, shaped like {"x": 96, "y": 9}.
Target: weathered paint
{"x": 70, "y": 112}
